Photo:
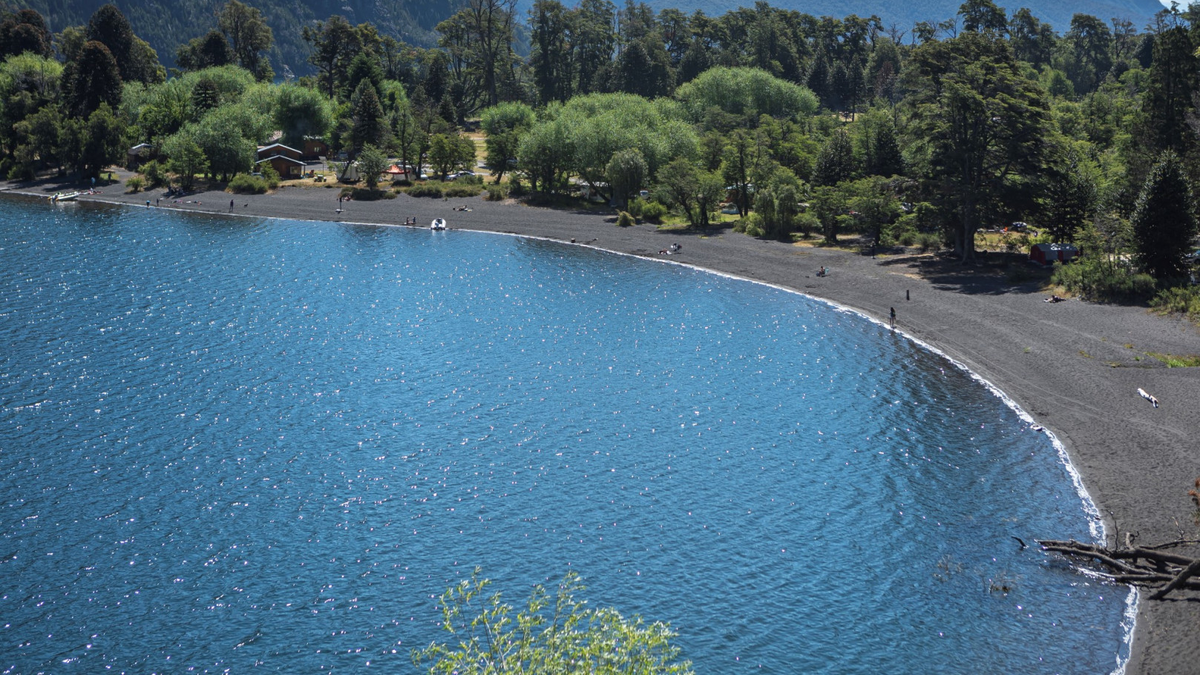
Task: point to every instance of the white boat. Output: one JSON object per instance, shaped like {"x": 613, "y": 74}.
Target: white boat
{"x": 65, "y": 196}
{"x": 438, "y": 224}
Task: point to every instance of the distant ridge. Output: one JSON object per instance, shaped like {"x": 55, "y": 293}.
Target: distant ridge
{"x": 904, "y": 14}
{"x": 166, "y": 24}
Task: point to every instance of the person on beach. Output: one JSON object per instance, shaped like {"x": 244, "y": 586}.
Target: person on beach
{"x": 893, "y": 318}
{"x": 821, "y": 272}
{"x": 231, "y": 205}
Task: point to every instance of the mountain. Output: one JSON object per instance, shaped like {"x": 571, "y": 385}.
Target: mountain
{"x": 166, "y": 24}
{"x": 905, "y": 14}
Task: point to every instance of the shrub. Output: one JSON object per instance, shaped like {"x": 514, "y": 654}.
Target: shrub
{"x": 155, "y": 173}
{"x": 808, "y": 223}
{"x": 270, "y": 175}
{"x": 516, "y": 188}
{"x": 928, "y": 241}
{"x": 366, "y": 194}
{"x": 635, "y": 207}
{"x": 753, "y": 226}
{"x": 462, "y": 191}
{"x": 1103, "y": 279}
{"x": 425, "y": 190}
{"x": 654, "y": 212}
{"x": 495, "y": 193}
{"x": 625, "y": 220}
{"x": 244, "y": 184}
{"x": 1180, "y": 299}
{"x": 135, "y": 183}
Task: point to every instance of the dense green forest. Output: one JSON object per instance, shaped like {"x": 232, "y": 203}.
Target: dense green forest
{"x": 166, "y": 24}
{"x": 799, "y": 125}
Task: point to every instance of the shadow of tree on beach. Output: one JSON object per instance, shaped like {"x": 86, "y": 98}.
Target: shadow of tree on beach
{"x": 994, "y": 274}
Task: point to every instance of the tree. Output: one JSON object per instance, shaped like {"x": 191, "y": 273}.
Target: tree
{"x": 450, "y": 152}
{"x": 371, "y": 163}
{"x": 110, "y": 27}
{"x": 185, "y": 159}
{"x": 1070, "y": 199}
{"x": 835, "y": 163}
{"x": 479, "y": 41}
{"x": 777, "y": 203}
{"x": 741, "y": 157}
{"x": 301, "y": 112}
{"x": 1090, "y": 52}
{"x": 626, "y": 173}
{"x": 227, "y": 150}
{"x": 205, "y": 96}
{"x": 334, "y": 43}
{"x": 550, "y": 59}
{"x": 696, "y": 193}
{"x": 369, "y": 123}
{"x": 978, "y": 123}
{"x": 24, "y": 31}
{"x": 745, "y": 92}
{"x": 1167, "y": 100}
{"x": 566, "y": 637}
{"x": 883, "y": 157}
{"x": 211, "y": 49}
{"x": 363, "y": 68}
{"x": 593, "y": 42}
{"x": 248, "y": 36}
{"x": 91, "y": 80}
{"x": 1164, "y": 220}
{"x": 102, "y": 144}
{"x": 983, "y": 16}
{"x": 504, "y": 125}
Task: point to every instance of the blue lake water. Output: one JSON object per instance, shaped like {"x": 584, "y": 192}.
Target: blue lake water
{"x": 232, "y": 443}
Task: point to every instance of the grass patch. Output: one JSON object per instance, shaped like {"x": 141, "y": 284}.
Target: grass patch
{"x": 366, "y": 195}
{"x": 425, "y": 190}
{"x": 1183, "y": 300}
{"x": 1176, "y": 361}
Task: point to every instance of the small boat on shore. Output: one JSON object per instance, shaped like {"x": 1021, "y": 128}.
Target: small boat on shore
{"x": 65, "y": 196}
{"x": 438, "y": 224}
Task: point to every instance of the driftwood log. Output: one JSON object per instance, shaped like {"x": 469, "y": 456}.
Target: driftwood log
{"x": 1149, "y": 566}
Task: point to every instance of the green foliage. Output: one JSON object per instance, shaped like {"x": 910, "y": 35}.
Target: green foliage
{"x": 245, "y": 184}
{"x": 777, "y": 204}
{"x": 154, "y": 173}
{"x": 135, "y": 184}
{"x": 370, "y": 126}
{"x": 1164, "y": 220}
{"x": 103, "y": 141}
{"x": 836, "y": 161}
{"x": 462, "y": 190}
{"x": 496, "y": 193}
{"x": 366, "y": 194}
{"x": 747, "y": 92}
{"x": 24, "y": 32}
{"x": 697, "y": 193}
{"x": 425, "y": 190}
{"x": 450, "y": 152}
{"x": 1183, "y": 300}
{"x": 654, "y": 212}
{"x": 269, "y": 174}
{"x": 625, "y": 219}
{"x": 248, "y": 35}
{"x": 91, "y": 80}
{"x": 550, "y": 635}
{"x": 185, "y": 159}
{"x": 371, "y": 163}
{"x": 626, "y": 172}
{"x": 1104, "y": 278}
{"x": 504, "y": 125}
{"x": 301, "y": 112}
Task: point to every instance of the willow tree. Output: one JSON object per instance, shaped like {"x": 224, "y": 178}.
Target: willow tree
{"x": 979, "y": 126}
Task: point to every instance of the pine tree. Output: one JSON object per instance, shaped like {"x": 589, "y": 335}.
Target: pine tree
{"x": 835, "y": 162}
{"x": 370, "y": 126}
{"x": 1164, "y": 220}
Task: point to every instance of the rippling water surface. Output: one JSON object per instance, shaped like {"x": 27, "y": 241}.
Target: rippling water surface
{"x": 229, "y": 443}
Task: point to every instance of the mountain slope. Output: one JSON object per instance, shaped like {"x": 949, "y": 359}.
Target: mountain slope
{"x": 166, "y": 24}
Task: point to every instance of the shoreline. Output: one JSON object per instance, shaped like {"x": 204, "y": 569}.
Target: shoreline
{"x": 1074, "y": 367}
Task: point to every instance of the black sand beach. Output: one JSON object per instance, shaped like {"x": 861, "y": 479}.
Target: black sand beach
{"x": 1075, "y": 367}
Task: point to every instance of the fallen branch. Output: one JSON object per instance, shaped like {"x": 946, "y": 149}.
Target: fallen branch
{"x": 1147, "y": 566}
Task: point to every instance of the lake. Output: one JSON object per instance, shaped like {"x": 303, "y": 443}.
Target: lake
{"x": 228, "y": 443}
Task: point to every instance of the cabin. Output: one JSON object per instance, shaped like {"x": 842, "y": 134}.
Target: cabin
{"x": 1046, "y": 254}
{"x": 139, "y": 155}
{"x": 286, "y": 167}
{"x": 278, "y": 149}
{"x": 314, "y": 148}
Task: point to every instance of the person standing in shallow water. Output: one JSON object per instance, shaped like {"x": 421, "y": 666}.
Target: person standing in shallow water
{"x": 893, "y": 317}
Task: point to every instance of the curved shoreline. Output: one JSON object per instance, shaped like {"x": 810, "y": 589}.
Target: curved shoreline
{"x": 1073, "y": 366}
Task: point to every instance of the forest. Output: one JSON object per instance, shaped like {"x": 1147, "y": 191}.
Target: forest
{"x": 796, "y": 126}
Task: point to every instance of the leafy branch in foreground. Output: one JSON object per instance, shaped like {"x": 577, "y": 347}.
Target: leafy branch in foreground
{"x": 565, "y": 636}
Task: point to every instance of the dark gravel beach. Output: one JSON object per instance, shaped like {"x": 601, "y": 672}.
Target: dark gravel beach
{"x": 1075, "y": 367}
